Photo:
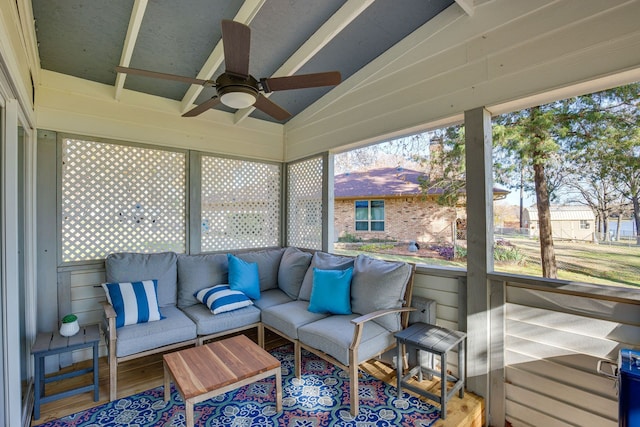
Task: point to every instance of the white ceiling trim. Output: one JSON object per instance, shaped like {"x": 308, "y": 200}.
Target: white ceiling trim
{"x": 247, "y": 12}
{"x": 467, "y": 5}
{"x": 137, "y": 13}
{"x": 327, "y": 32}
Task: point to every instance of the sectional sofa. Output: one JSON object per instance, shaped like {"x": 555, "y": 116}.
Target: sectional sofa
{"x": 343, "y": 309}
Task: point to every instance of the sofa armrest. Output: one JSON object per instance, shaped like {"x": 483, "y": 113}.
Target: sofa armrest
{"x": 361, "y": 320}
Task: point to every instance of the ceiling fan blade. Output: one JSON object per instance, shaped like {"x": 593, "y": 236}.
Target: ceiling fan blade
{"x": 330, "y": 78}
{"x": 236, "y": 40}
{"x": 202, "y": 107}
{"x": 266, "y": 105}
{"x": 165, "y": 76}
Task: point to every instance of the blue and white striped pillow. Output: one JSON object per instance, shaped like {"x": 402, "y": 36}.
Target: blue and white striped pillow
{"x": 134, "y": 302}
{"x": 221, "y": 298}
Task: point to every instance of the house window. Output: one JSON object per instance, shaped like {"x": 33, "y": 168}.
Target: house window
{"x": 584, "y": 224}
{"x": 369, "y": 215}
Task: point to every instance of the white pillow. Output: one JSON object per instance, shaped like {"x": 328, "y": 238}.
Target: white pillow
{"x": 134, "y": 302}
{"x": 222, "y": 298}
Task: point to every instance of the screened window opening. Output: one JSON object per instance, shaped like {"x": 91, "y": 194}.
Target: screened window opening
{"x": 369, "y": 215}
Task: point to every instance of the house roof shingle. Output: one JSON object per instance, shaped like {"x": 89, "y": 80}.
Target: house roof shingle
{"x": 386, "y": 182}
{"x": 380, "y": 182}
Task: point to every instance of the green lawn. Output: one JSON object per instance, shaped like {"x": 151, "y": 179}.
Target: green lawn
{"x": 577, "y": 261}
{"x": 582, "y": 262}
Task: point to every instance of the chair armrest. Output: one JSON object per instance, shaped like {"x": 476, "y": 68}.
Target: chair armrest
{"x": 374, "y": 315}
{"x": 360, "y": 321}
{"x": 109, "y": 312}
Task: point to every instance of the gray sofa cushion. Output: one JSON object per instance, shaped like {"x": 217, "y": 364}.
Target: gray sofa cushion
{"x": 379, "y": 285}
{"x": 270, "y": 298}
{"x": 268, "y": 262}
{"x": 197, "y": 272}
{"x": 333, "y": 335}
{"x": 323, "y": 261}
{"x": 174, "y": 328}
{"x": 287, "y": 318}
{"x": 293, "y": 266}
{"x": 208, "y": 323}
{"x": 133, "y": 267}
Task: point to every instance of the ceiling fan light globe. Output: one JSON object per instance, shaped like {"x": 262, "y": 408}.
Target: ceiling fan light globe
{"x": 238, "y": 100}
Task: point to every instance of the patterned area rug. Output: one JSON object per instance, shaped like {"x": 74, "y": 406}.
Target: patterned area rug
{"x": 319, "y": 398}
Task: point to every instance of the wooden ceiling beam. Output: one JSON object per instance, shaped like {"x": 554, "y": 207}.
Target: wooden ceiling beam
{"x": 137, "y": 13}
{"x": 245, "y": 15}
{"x": 327, "y": 32}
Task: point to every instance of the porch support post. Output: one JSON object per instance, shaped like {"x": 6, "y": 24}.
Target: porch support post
{"x": 479, "y": 191}
{"x": 327, "y": 202}
{"x": 11, "y": 408}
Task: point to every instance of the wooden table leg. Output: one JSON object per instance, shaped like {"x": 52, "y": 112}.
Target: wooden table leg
{"x": 188, "y": 409}
{"x": 399, "y": 368}
{"x": 96, "y": 380}
{"x": 278, "y": 390}
{"x": 167, "y": 383}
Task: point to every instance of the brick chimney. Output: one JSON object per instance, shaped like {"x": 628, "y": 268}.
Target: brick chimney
{"x": 436, "y": 170}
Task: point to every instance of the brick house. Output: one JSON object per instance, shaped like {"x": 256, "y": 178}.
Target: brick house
{"x": 387, "y": 203}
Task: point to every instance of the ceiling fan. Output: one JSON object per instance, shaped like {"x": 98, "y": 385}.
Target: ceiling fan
{"x": 236, "y": 88}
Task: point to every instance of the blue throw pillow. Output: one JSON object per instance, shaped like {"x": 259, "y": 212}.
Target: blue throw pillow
{"x": 221, "y": 298}
{"x": 331, "y": 291}
{"x": 244, "y": 277}
{"x": 134, "y": 302}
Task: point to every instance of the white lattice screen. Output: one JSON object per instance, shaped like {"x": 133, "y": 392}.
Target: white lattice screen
{"x": 119, "y": 198}
{"x": 240, "y": 204}
{"x": 304, "y": 210}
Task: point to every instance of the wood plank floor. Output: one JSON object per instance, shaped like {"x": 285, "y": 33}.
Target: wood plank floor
{"x": 142, "y": 374}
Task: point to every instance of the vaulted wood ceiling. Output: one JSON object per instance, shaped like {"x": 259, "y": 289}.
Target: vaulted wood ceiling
{"x": 89, "y": 38}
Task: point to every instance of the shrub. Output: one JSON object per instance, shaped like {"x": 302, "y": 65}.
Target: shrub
{"x": 446, "y": 252}
{"x": 508, "y": 253}
{"x": 349, "y": 238}
{"x": 461, "y": 252}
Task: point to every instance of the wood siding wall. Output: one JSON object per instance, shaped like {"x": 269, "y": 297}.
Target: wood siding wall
{"x": 82, "y": 284}
{"x": 447, "y": 287}
{"x": 553, "y": 341}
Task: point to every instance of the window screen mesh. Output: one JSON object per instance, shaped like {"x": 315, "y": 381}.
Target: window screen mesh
{"x": 240, "y": 204}
{"x": 305, "y": 204}
{"x": 118, "y": 198}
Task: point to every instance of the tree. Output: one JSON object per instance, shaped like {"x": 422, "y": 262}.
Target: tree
{"x": 527, "y": 136}
{"x": 603, "y": 139}
{"x": 400, "y": 152}
{"x": 628, "y": 181}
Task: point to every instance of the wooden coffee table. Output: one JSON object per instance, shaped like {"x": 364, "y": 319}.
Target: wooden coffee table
{"x": 205, "y": 371}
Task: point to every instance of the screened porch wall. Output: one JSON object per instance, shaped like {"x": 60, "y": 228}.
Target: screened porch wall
{"x": 547, "y": 336}
{"x": 215, "y": 203}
